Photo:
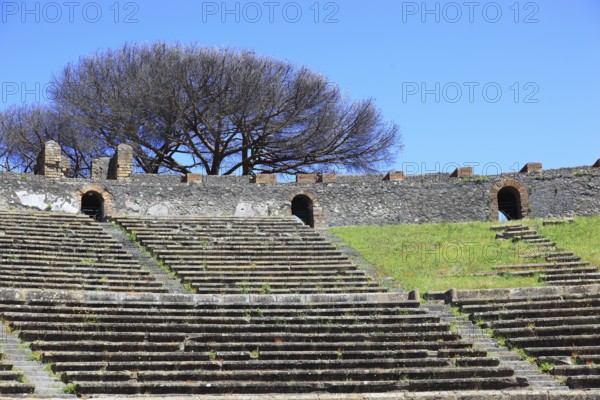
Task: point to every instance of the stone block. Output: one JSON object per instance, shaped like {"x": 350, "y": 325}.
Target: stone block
{"x": 190, "y": 177}
{"x": 263, "y": 178}
{"x": 532, "y": 167}
{"x": 394, "y": 176}
{"x": 306, "y": 178}
{"x": 461, "y": 172}
{"x": 326, "y": 178}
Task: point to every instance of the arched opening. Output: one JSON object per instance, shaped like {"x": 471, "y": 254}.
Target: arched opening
{"x": 509, "y": 203}
{"x": 92, "y": 204}
{"x": 302, "y": 207}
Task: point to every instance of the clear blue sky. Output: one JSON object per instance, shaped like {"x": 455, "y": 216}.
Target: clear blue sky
{"x": 435, "y": 68}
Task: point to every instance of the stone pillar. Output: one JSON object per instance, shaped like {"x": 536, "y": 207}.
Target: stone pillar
{"x": 462, "y": 172}
{"x": 50, "y": 162}
{"x": 120, "y": 166}
{"x": 100, "y": 168}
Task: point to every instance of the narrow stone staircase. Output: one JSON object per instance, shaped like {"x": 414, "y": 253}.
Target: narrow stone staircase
{"x": 558, "y": 267}
{"x": 20, "y": 372}
{"x": 144, "y": 258}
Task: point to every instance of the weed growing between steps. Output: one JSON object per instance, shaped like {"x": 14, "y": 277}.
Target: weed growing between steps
{"x": 439, "y": 256}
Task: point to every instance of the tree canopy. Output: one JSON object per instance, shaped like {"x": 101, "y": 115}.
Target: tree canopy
{"x": 189, "y": 108}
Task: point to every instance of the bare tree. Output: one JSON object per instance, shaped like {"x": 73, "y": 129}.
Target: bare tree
{"x": 222, "y": 111}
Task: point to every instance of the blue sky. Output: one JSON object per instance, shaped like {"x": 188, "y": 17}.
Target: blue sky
{"x": 493, "y": 84}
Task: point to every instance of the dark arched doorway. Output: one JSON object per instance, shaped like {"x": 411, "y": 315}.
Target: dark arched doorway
{"x": 509, "y": 203}
{"x": 92, "y": 204}
{"x": 302, "y": 207}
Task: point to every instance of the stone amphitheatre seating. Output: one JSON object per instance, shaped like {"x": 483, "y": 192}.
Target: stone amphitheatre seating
{"x": 121, "y": 344}
{"x": 558, "y": 327}
{"x": 65, "y": 251}
{"x": 555, "y": 267}
{"x": 231, "y": 255}
{"x": 11, "y": 381}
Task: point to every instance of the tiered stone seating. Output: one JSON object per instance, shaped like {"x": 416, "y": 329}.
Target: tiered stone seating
{"x": 249, "y": 255}
{"x": 12, "y": 382}
{"x": 558, "y": 328}
{"x": 203, "y": 344}
{"x": 65, "y": 251}
{"x": 558, "y": 268}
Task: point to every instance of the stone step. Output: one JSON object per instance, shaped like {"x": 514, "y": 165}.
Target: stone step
{"x": 549, "y": 254}
{"x": 555, "y": 273}
{"x": 538, "y": 266}
{"x": 571, "y": 276}
{"x": 396, "y": 359}
{"x": 507, "y": 227}
{"x": 270, "y": 375}
{"x": 211, "y": 387}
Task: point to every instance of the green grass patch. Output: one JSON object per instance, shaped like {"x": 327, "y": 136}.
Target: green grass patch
{"x": 438, "y": 256}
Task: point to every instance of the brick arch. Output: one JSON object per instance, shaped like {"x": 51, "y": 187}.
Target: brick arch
{"x": 512, "y": 183}
{"x": 109, "y": 209}
{"x": 318, "y": 216}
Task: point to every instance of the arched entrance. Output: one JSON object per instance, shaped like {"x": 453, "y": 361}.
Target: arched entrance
{"x": 302, "y": 207}
{"x": 509, "y": 197}
{"x": 92, "y": 204}
{"x": 509, "y": 203}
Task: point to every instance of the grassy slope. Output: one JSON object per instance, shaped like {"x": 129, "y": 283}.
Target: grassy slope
{"x": 431, "y": 256}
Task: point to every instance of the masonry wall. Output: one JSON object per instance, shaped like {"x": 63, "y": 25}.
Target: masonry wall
{"x": 351, "y": 200}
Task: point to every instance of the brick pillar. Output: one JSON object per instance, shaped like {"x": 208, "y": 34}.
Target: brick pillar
{"x": 394, "y": 176}
{"x": 462, "y": 172}
{"x": 120, "y": 166}
{"x": 532, "y": 167}
{"x": 50, "y": 162}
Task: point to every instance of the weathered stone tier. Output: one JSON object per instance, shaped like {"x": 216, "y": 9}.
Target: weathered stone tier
{"x": 127, "y": 344}
{"x": 231, "y": 255}
{"x": 65, "y": 252}
{"x": 558, "y": 327}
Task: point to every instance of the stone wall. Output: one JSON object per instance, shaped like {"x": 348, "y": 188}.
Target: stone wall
{"x": 349, "y": 200}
